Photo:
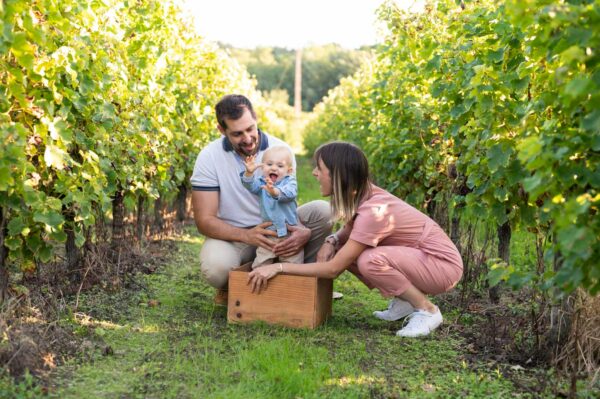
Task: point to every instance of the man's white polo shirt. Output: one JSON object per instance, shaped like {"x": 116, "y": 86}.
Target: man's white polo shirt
{"x": 218, "y": 168}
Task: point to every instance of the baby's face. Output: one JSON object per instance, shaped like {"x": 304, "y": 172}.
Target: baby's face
{"x": 276, "y": 166}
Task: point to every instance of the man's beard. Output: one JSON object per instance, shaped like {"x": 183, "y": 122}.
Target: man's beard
{"x": 240, "y": 150}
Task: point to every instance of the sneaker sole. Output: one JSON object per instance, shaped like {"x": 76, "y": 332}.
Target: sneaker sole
{"x": 418, "y": 335}
{"x": 379, "y": 315}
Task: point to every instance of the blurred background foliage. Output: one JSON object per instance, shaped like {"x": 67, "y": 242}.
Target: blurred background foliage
{"x": 322, "y": 69}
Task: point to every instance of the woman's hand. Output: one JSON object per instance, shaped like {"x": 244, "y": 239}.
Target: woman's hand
{"x": 326, "y": 252}
{"x": 259, "y": 277}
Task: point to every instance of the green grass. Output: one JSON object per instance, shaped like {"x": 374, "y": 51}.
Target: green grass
{"x": 308, "y": 186}
{"x": 184, "y": 347}
{"x": 23, "y": 388}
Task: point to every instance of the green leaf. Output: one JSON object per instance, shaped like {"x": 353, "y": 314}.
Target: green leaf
{"x": 501, "y": 194}
{"x": 532, "y": 183}
{"x": 498, "y": 272}
{"x": 434, "y": 63}
{"x": 54, "y": 157}
{"x": 34, "y": 242}
{"x": 520, "y": 84}
{"x": 568, "y": 278}
{"x": 457, "y": 110}
{"x": 16, "y": 226}
{"x": 52, "y": 219}
{"x": 23, "y": 50}
{"x": 44, "y": 254}
{"x": 79, "y": 239}
{"x": 16, "y": 89}
{"x": 519, "y": 279}
{"x": 59, "y": 236}
{"x": 578, "y": 86}
{"x": 591, "y": 122}
{"x": 496, "y": 56}
{"x": 573, "y": 53}
{"x": 13, "y": 243}
{"x": 577, "y": 239}
{"x": 498, "y": 156}
{"x": 6, "y": 179}
{"x": 58, "y": 128}
{"x": 529, "y": 148}
{"x": 498, "y": 211}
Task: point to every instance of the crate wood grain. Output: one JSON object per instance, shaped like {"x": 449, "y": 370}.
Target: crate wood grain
{"x": 293, "y": 301}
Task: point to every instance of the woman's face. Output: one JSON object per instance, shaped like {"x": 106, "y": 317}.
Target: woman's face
{"x": 322, "y": 174}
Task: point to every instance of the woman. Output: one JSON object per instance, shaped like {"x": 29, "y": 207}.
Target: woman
{"x": 386, "y": 243}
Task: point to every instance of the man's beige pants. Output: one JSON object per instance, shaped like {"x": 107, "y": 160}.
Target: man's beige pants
{"x": 218, "y": 257}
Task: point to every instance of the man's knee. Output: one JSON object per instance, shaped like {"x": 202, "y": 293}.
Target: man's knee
{"x": 215, "y": 265}
{"x": 215, "y": 276}
{"x": 315, "y": 212}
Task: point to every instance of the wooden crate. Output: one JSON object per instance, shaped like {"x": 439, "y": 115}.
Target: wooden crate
{"x": 293, "y": 301}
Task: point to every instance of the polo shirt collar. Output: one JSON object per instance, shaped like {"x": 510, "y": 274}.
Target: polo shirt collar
{"x": 264, "y": 142}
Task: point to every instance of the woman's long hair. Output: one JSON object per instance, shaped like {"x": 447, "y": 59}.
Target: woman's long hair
{"x": 350, "y": 182}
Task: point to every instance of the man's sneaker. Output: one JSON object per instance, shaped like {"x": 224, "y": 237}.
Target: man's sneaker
{"x": 421, "y": 323}
{"x": 396, "y": 310}
{"x": 221, "y": 297}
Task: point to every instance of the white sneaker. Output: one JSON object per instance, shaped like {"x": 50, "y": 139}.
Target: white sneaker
{"x": 337, "y": 295}
{"x": 396, "y": 310}
{"x": 421, "y": 323}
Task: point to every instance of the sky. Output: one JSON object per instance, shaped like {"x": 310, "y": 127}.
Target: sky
{"x": 286, "y": 23}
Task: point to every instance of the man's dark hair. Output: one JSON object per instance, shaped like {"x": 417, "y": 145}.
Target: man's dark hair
{"x": 232, "y": 107}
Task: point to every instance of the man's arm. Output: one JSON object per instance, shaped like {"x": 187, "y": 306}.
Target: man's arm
{"x": 206, "y": 206}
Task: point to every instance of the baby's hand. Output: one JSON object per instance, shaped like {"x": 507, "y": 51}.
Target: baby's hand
{"x": 269, "y": 187}
{"x": 250, "y": 165}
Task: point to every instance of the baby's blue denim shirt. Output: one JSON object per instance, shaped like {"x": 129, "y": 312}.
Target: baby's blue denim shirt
{"x": 280, "y": 210}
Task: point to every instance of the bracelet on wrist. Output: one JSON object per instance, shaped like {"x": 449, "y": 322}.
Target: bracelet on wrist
{"x": 332, "y": 239}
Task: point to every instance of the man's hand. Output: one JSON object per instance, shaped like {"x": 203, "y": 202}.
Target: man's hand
{"x": 327, "y": 252}
{"x": 294, "y": 243}
{"x": 257, "y": 236}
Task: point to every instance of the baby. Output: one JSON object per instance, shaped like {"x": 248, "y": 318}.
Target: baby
{"x": 277, "y": 190}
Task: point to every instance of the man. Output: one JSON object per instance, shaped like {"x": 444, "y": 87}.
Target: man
{"x": 228, "y": 214}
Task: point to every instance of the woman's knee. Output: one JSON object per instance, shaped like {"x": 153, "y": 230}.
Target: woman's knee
{"x": 370, "y": 263}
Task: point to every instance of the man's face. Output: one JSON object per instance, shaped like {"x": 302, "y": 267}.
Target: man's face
{"x": 242, "y": 133}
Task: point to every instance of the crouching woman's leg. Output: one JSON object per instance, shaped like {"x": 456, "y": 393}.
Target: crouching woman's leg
{"x": 408, "y": 275}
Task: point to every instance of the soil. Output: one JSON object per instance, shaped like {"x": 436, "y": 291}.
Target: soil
{"x": 32, "y": 336}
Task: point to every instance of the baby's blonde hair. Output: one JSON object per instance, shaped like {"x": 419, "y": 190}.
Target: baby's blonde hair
{"x": 280, "y": 149}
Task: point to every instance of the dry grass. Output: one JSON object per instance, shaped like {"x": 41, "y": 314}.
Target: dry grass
{"x": 32, "y": 337}
{"x": 579, "y": 353}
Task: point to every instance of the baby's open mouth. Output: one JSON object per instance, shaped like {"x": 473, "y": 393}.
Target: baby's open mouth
{"x": 273, "y": 176}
